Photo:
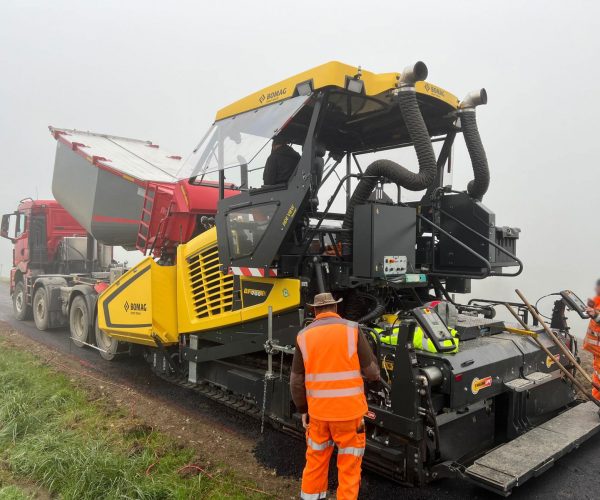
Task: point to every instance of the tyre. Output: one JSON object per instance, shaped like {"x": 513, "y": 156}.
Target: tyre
{"x": 107, "y": 345}
{"x": 21, "y": 310}
{"x": 79, "y": 321}
{"x": 40, "y": 309}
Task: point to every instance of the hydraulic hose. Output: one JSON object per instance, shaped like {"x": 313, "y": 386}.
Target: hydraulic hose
{"x": 409, "y": 107}
{"x": 481, "y": 181}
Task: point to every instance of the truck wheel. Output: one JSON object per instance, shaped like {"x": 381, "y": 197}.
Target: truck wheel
{"x": 79, "y": 321}
{"x": 40, "y": 308}
{"x": 20, "y": 308}
{"x": 107, "y": 345}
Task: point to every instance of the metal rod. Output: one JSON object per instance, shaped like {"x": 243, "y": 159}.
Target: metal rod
{"x": 556, "y": 340}
{"x": 438, "y": 183}
{"x": 270, "y": 340}
{"x": 88, "y": 345}
{"x": 357, "y": 163}
{"x": 330, "y": 171}
{"x": 348, "y": 178}
{"x": 311, "y": 231}
{"x": 575, "y": 382}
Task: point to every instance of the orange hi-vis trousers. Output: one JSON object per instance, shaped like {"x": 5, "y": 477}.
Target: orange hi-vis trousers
{"x": 321, "y": 436}
{"x": 596, "y": 376}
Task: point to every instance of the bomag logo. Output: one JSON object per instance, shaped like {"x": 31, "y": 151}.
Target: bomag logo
{"x": 135, "y": 307}
{"x": 480, "y": 383}
{"x": 254, "y": 292}
{"x": 270, "y": 96}
{"x": 432, "y": 89}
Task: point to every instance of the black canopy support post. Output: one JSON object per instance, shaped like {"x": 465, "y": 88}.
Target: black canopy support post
{"x": 221, "y": 184}
{"x": 348, "y": 178}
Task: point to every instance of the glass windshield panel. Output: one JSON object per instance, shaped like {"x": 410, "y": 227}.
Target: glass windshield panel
{"x": 237, "y": 140}
{"x": 246, "y": 227}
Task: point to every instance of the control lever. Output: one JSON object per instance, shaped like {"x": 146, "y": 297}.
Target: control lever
{"x": 435, "y": 329}
{"x": 574, "y": 303}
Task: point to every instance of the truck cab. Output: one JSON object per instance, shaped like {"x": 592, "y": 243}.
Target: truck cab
{"x": 51, "y": 250}
{"x": 37, "y": 229}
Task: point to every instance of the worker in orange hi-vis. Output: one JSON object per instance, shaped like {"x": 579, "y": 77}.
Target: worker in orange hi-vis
{"x": 328, "y": 390}
{"x": 592, "y": 337}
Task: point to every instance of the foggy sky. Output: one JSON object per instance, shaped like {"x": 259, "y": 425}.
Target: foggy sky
{"x": 160, "y": 70}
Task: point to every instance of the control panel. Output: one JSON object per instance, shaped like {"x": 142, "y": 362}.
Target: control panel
{"x": 394, "y": 265}
{"x": 574, "y": 303}
{"x": 434, "y": 328}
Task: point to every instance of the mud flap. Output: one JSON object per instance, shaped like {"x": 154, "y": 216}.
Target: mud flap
{"x": 534, "y": 452}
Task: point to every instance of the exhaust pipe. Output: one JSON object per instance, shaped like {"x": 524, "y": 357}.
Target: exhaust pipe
{"x": 413, "y": 74}
{"x": 481, "y": 171}
{"x": 411, "y": 113}
{"x": 473, "y": 99}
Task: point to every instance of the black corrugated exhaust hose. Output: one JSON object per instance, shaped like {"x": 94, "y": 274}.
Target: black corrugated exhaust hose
{"x": 392, "y": 171}
{"x": 376, "y": 312}
{"x": 481, "y": 171}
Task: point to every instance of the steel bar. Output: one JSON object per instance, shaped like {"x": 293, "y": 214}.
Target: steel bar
{"x": 556, "y": 340}
{"x": 568, "y": 374}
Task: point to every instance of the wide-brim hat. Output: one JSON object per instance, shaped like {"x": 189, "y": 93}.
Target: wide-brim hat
{"x": 324, "y": 299}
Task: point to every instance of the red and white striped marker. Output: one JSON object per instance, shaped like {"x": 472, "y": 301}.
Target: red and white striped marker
{"x": 257, "y": 272}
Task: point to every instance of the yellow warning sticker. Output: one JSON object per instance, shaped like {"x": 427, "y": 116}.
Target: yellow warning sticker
{"x": 551, "y": 360}
{"x": 480, "y": 383}
{"x": 388, "y": 365}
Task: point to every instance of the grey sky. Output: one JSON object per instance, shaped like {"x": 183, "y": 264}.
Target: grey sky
{"x": 160, "y": 70}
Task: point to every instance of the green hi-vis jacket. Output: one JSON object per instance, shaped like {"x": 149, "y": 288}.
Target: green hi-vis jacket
{"x": 418, "y": 339}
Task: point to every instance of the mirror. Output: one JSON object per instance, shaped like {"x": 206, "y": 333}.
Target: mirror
{"x": 8, "y": 229}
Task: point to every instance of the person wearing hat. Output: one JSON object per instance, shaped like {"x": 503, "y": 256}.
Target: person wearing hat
{"x": 281, "y": 163}
{"x": 327, "y": 387}
{"x": 592, "y": 337}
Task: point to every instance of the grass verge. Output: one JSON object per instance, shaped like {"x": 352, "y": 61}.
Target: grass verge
{"x": 52, "y": 435}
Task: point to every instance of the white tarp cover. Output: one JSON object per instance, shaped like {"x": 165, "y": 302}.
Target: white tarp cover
{"x": 139, "y": 159}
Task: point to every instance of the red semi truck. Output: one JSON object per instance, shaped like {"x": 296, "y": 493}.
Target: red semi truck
{"x": 58, "y": 269}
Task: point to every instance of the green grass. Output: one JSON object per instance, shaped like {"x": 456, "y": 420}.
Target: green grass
{"x": 13, "y": 493}
{"x": 52, "y": 435}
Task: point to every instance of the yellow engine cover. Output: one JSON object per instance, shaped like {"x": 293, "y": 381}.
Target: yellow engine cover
{"x": 192, "y": 296}
{"x": 209, "y": 299}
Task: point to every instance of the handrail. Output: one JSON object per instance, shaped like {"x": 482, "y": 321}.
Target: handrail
{"x": 435, "y": 272}
{"x": 494, "y": 244}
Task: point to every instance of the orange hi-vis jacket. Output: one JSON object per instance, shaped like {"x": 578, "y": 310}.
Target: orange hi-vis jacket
{"x": 334, "y": 385}
{"x": 592, "y": 337}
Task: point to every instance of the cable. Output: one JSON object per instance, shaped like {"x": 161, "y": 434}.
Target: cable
{"x": 538, "y": 301}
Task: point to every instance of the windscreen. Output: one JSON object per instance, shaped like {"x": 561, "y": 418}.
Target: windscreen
{"x": 246, "y": 227}
{"x": 237, "y": 140}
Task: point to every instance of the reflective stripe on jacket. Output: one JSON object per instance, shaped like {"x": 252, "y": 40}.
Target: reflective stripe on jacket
{"x": 420, "y": 341}
{"x": 592, "y": 336}
{"x": 334, "y": 385}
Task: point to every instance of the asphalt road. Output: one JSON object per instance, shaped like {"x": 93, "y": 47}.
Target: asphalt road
{"x": 576, "y": 476}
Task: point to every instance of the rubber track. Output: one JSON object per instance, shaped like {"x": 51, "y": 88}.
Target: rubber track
{"x": 228, "y": 398}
